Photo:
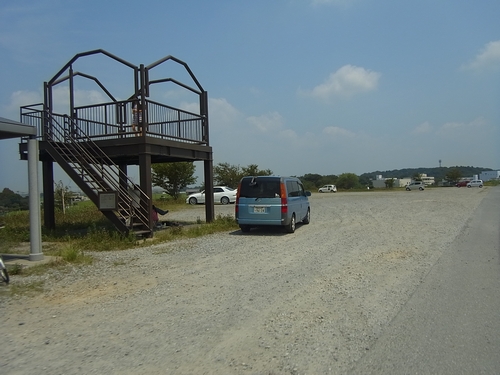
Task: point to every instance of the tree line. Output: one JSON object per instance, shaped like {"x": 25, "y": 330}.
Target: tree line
{"x": 11, "y": 201}
{"x": 174, "y": 177}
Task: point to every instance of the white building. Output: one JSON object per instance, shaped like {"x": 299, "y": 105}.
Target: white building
{"x": 427, "y": 180}
{"x": 489, "y": 175}
{"x": 379, "y": 181}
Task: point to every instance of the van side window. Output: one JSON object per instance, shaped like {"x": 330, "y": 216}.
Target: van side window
{"x": 301, "y": 190}
{"x": 293, "y": 188}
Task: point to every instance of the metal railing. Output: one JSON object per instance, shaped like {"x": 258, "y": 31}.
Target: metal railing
{"x": 116, "y": 120}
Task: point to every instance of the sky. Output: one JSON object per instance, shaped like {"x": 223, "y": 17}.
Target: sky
{"x": 294, "y": 86}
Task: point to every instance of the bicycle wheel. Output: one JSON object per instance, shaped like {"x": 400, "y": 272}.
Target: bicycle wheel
{"x": 4, "y": 275}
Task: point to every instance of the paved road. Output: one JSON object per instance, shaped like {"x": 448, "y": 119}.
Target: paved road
{"x": 451, "y": 324}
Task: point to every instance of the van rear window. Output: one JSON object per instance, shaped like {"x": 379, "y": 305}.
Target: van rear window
{"x": 260, "y": 188}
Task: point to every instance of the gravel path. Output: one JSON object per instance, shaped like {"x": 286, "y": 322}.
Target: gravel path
{"x": 312, "y": 302}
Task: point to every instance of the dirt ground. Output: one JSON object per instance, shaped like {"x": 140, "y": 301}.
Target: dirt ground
{"x": 263, "y": 302}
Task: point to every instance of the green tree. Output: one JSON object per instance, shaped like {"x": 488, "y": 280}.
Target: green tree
{"x": 230, "y": 175}
{"x": 172, "y": 177}
{"x": 328, "y": 179}
{"x": 227, "y": 175}
{"x": 454, "y": 175}
{"x": 10, "y": 201}
{"x": 313, "y": 180}
{"x": 417, "y": 177}
{"x": 62, "y": 196}
{"x": 253, "y": 170}
{"x": 347, "y": 181}
{"x": 389, "y": 183}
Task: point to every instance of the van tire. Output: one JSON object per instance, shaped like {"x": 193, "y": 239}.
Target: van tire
{"x": 307, "y": 219}
{"x": 245, "y": 228}
{"x": 290, "y": 228}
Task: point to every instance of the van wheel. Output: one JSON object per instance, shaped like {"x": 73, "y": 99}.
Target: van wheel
{"x": 290, "y": 228}
{"x": 224, "y": 200}
{"x": 245, "y": 228}
{"x": 307, "y": 219}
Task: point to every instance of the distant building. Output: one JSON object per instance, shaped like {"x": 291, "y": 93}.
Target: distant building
{"x": 427, "y": 180}
{"x": 379, "y": 181}
{"x": 489, "y": 175}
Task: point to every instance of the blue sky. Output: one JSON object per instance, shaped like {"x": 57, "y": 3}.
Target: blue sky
{"x": 295, "y": 86}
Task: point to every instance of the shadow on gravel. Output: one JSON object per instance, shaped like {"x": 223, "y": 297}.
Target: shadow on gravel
{"x": 273, "y": 231}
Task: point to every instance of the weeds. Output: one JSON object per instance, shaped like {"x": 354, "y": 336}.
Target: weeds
{"x": 29, "y": 289}
{"x": 71, "y": 254}
{"x": 15, "y": 269}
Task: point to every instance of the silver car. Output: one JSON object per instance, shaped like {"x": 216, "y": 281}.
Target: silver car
{"x": 475, "y": 183}
{"x": 415, "y": 185}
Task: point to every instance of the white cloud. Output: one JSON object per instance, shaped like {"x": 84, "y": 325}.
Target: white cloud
{"x": 81, "y": 97}
{"x": 349, "y": 80}
{"x": 222, "y": 114}
{"x": 288, "y": 134}
{"x": 269, "y": 123}
{"x": 423, "y": 128}
{"x": 457, "y": 129}
{"x": 489, "y": 57}
{"x": 21, "y": 98}
{"x": 337, "y": 132}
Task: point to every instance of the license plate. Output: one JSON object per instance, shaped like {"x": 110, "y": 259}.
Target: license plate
{"x": 259, "y": 210}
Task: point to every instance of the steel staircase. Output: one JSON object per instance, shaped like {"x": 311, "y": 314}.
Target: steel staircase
{"x": 95, "y": 173}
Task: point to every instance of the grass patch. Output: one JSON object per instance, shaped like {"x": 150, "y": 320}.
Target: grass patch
{"x": 26, "y": 289}
{"x": 74, "y": 255}
{"x": 221, "y": 223}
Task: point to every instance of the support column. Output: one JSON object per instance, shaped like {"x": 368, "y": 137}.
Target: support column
{"x": 209, "y": 190}
{"x": 49, "y": 215}
{"x": 146, "y": 187}
{"x": 34, "y": 202}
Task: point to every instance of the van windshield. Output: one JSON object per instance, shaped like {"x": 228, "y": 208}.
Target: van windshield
{"x": 260, "y": 188}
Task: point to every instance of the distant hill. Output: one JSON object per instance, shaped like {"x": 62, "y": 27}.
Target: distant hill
{"x": 438, "y": 172}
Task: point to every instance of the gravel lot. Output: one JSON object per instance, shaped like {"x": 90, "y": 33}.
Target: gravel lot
{"x": 312, "y": 302}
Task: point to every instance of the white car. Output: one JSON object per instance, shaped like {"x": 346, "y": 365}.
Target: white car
{"x": 474, "y": 183}
{"x": 328, "y": 189}
{"x": 222, "y": 195}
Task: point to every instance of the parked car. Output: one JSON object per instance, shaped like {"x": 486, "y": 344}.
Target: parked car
{"x": 415, "y": 185}
{"x": 474, "y": 183}
{"x": 328, "y": 189}
{"x": 271, "y": 200}
{"x": 222, "y": 195}
{"x": 462, "y": 183}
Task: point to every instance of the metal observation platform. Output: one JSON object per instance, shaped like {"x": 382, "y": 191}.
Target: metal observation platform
{"x": 95, "y": 144}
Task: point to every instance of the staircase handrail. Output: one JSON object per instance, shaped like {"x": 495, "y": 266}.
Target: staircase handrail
{"x": 66, "y": 135}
